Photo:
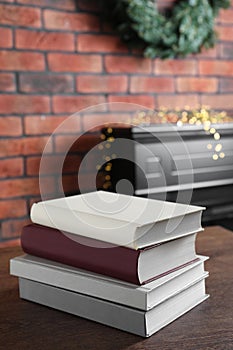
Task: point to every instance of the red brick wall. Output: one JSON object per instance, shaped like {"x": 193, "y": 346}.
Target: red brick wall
{"x": 57, "y": 57}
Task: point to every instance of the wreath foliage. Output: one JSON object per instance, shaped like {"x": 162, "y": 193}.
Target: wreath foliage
{"x": 185, "y": 29}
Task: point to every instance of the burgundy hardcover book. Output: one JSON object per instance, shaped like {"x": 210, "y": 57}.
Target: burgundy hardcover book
{"x": 134, "y": 266}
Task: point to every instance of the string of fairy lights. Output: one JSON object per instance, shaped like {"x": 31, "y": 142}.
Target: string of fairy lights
{"x": 107, "y": 156}
{"x": 200, "y": 116}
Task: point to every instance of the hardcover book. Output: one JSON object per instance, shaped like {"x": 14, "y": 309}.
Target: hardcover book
{"x": 143, "y": 323}
{"x": 134, "y": 266}
{"x": 119, "y": 219}
{"x": 81, "y": 281}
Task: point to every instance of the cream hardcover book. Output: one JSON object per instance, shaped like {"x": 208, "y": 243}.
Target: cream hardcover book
{"x": 119, "y": 219}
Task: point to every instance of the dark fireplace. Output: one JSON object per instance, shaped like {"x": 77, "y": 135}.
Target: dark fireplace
{"x": 176, "y": 164}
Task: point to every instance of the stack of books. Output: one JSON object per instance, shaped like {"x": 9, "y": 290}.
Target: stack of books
{"x": 123, "y": 261}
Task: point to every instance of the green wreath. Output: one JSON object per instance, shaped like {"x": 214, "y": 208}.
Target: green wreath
{"x": 185, "y": 29}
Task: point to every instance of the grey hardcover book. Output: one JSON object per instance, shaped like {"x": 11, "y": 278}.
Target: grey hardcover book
{"x": 141, "y": 297}
{"x": 143, "y": 323}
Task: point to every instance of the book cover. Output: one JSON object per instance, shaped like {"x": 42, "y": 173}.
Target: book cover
{"x": 119, "y": 219}
{"x": 81, "y": 281}
{"x": 143, "y": 323}
{"x": 134, "y": 266}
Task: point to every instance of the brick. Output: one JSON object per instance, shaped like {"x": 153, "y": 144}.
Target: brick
{"x": 11, "y": 167}
{"x": 37, "y": 125}
{"x": 12, "y": 208}
{"x": 24, "y": 104}
{"x": 33, "y": 165}
{"x": 24, "y": 187}
{"x": 71, "y": 21}
{"x": 23, "y": 146}
{"x": 226, "y": 16}
{"x": 6, "y": 38}
{"x": 116, "y": 64}
{"x": 7, "y": 82}
{"x": 178, "y": 101}
{"x": 226, "y": 50}
{"x": 10, "y": 126}
{"x": 226, "y": 85}
{"x": 175, "y": 67}
{"x": 32, "y": 83}
{"x": 39, "y": 40}
{"x": 73, "y": 104}
{"x": 100, "y": 43}
{"x": 197, "y": 84}
{"x": 12, "y": 228}
{"x": 60, "y": 4}
{"x": 29, "y": 61}
{"x": 74, "y": 63}
{"x": 55, "y": 164}
{"x": 19, "y": 187}
{"x": 108, "y": 84}
{"x": 97, "y": 121}
{"x": 208, "y": 53}
{"x": 151, "y": 84}
{"x": 218, "y": 101}
{"x": 216, "y": 67}
{"x": 37, "y": 145}
{"x": 225, "y": 33}
{"x": 20, "y": 15}
{"x": 143, "y": 100}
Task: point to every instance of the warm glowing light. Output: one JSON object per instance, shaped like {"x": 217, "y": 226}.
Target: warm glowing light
{"x": 222, "y": 155}
{"x": 215, "y": 156}
{"x": 106, "y": 185}
{"x": 207, "y": 125}
{"x": 191, "y": 121}
{"x": 108, "y": 167}
{"x": 209, "y": 146}
{"x": 109, "y": 130}
{"x": 217, "y": 136}
{"x": 101, "y": 147}
{"x": 218, "y": 147}
{"x": 103, "y": 137}
{"x": 107, "y": 177}
{"x": 212, "y": 130}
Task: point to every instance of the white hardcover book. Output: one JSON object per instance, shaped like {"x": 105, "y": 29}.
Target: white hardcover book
{"x": 119, "y": 219}
{"x": 143, "y": 323}
{"x": 143, "y": 297}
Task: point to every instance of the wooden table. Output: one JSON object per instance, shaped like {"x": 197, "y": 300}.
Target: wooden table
{"x": 25, "y": 325}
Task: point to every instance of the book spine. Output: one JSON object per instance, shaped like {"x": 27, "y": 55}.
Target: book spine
{"x": 114, "y": 261}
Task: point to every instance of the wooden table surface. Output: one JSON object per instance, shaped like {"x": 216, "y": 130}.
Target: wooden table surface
{"x": 25, "y": 325}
